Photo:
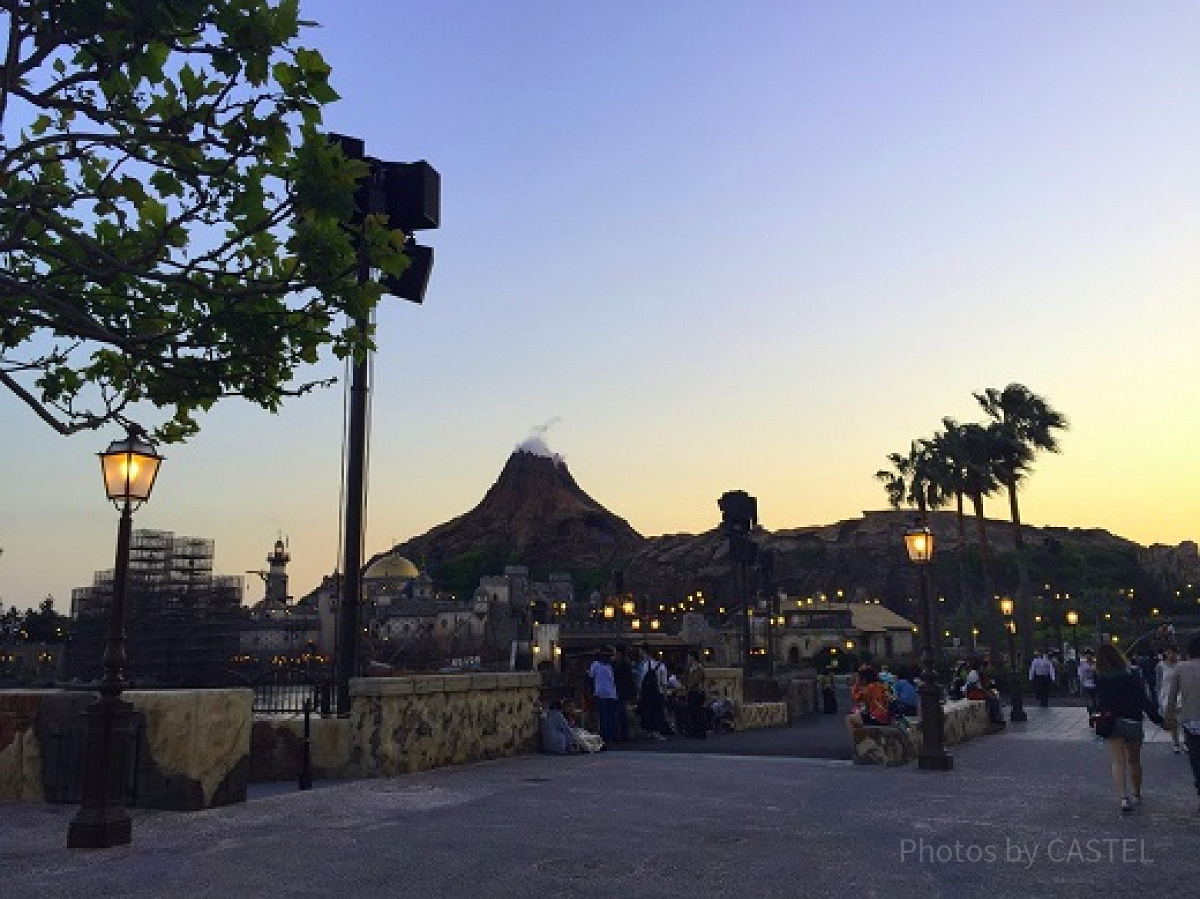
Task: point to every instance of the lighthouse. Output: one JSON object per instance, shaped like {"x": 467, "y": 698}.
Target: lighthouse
{"x": 277, "y": 579}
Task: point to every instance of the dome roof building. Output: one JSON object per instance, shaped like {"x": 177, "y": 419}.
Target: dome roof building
{"x": 392, "y": 567}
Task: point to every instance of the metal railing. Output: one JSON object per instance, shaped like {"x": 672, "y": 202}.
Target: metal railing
{"x": 285, "y": 693}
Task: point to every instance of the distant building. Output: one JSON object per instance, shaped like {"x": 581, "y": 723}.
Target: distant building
{"x": 278, "y": 631}
{"x": 182, "y": 620}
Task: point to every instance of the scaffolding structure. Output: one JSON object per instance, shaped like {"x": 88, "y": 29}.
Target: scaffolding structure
{"x": 182, "y": 621}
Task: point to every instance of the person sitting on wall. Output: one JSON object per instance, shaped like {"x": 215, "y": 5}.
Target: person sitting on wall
{"x": 981, "y": 687}
{"x": 556, "y": 733}
{"x": 870, "y": 701}
{"x": 906, "y": 700}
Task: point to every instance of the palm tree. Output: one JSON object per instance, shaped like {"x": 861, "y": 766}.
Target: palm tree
{"x": 971, "y": 456}
{"x": 1022, "y": 424}
{"x": 968, "y": 462}
{"x": 912, "y": 481}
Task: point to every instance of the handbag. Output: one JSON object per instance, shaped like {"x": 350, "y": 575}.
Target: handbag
{"x": 1106, "y": 725}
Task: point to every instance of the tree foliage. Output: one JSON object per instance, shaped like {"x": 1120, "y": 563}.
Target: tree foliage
{"x": 172, "y": 221}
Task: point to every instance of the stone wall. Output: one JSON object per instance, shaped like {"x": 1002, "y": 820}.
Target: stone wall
{"x": 192, "y": 747}
{"x": 895, "y": 745}
{"x": 277, "y": 748}
{"x": 753, "y": 715}
{"x": 399, "y": 725}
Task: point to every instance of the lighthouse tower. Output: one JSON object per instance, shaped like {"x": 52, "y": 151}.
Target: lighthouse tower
{"x": 276, "y": 578}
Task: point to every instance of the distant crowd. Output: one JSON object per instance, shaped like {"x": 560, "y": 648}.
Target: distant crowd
{"x": 630, "y": 693}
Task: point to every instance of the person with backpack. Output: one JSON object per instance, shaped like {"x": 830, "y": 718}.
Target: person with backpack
{"x": 652, "y": 705}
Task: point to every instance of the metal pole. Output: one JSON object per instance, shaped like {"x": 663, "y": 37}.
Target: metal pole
{"x": 102, "y": 820}
{"x": 356, "y": 463}
{"x": 933, "y": 755}
{"x": 304, "y": 781}
{"x": 1018, "y": 702}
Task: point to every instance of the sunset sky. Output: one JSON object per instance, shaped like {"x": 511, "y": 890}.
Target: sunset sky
{"x": 723, "y": 246}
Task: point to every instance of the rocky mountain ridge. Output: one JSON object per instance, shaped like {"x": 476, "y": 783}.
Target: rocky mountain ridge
{"x": 536, "y": 515}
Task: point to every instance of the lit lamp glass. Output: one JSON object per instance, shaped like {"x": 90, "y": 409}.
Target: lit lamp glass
{"x": 628, "y": 607}
{"x": 130, "y": 467}
{"x": 919, "y": 544}
{"x": 609, "y": 612}
{"x": 1006, "y": 608}
{"x": 1072, "y": 618}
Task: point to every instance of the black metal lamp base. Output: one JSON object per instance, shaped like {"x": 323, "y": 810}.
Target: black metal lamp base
{"x": 111, "y": 827}
{"x": 1018, "y": 715}
{"x": 102, "y": 821}
{"x": 943, "y": 762}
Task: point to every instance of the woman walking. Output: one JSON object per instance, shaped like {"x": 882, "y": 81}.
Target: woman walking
{"x": 1166, "y": 674}
{"x": 1121, "y": 699}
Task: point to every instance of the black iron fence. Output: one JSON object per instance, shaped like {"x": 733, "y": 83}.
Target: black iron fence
{"x": 285, "y": 692}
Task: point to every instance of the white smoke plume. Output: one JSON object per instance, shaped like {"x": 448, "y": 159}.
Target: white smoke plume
{"x": 535, "y": 443}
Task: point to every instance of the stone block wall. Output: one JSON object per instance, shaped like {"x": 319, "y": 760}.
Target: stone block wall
{"x": 277, "y": 748}
{"x": 888, "y": 746}
{"x": 752, "y": 715}
{"x": 894, "y": 745}
{"x": 400, "y": 725}
{"x": 192, "y": 746}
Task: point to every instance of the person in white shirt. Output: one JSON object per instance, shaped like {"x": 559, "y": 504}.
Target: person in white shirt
{"x": 604, "y": 692}
{"x": 1041, "y": 672}
{"x": 1165, "y": 674}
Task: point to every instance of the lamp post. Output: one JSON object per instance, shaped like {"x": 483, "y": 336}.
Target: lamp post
{"x": 919, "y": 544}
{"x": 1073, "y": 620}
{"x": 1010, "y": 624}
{"x": 129, "y": 467}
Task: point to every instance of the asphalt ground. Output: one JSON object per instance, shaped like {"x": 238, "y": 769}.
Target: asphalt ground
{"x": 1027, "y": 812}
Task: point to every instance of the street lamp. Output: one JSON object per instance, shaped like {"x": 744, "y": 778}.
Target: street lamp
{"x": 1010, "y": 624}
{"x": 129, "y": 467}
{"x": 919, "y": 544}
{"x": 1073, "y": 620}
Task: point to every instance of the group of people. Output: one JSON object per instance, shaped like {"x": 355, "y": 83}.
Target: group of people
{"x": 881, "y": 697}
{"x": 1124, "y": 696}
{"x": 627, "y": 686}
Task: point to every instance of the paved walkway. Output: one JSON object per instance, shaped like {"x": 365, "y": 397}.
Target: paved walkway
{"x": 1028, "y": 812}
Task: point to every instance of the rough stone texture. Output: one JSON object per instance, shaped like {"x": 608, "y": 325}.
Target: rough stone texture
{"x": 197, "y": 744}
{"x": 887, "y": 746}
{"x": 752, "y": 715}
{"x": 277, "y": 748}
{"x": 402, "y": 725}
{"x": 192, "y": 751}
{"x": 894, "y": 745}
{"x": 20, "y": 758}
{"x": 964, "y": 719}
